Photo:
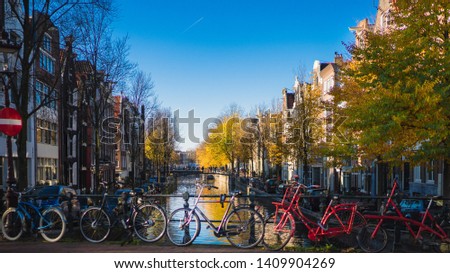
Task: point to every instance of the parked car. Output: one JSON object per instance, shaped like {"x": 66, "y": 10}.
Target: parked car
{"x": 56, "y": 195}
{"x": 271, "y": 186}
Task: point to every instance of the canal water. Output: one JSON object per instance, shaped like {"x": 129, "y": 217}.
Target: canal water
{"x": 213, "y": 211}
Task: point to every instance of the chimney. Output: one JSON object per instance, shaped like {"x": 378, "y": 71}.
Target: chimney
{"x": 284, "y": 92}
{"x": 338, "y": 59}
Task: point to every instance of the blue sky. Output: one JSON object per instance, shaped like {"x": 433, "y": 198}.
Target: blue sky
{"x": 207, "y": 54}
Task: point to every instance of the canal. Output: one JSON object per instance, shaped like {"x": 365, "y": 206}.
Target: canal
{"x": 213, "y": 211}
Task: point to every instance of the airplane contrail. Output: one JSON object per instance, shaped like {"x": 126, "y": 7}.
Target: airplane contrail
{"x": 193, "y": 24}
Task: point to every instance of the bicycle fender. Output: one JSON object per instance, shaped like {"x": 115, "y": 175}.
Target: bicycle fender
{"x": 21, "y": 215}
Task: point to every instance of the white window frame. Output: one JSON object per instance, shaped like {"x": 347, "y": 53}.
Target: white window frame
{"x": 417, "y": 178}
{"x": 47, "y": 62}
{"x": 47, "y": 43}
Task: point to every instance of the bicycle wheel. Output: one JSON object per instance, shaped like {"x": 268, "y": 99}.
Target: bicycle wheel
{"x": 95, "y": 225}
{"x": 13, "y": 223}
{"x": 342, "y": 239}
{"x": 277, "y": 235}
{"x": 52, "y": 225}
{"x": 149, "y": 223}
{"x": 244, "y": 228}
{"x": 369, "y": 244}
{"x": 182, "y": 231}
{"x": 440, "y": 245}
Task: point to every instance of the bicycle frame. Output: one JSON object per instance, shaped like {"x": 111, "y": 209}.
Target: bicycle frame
{"x": 434, "y": 228}
{"x": 115, "y": 219}
{"x": 129, "y": 212}
{"x": 316, "y": 230}
{"x": 210, "y": 223}
{"x": 322, "y": 231}
{"x": 22, "y": 208}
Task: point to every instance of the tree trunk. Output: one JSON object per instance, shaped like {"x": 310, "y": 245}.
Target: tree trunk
{"x": 22, "y": 162}
{"x": 97, "y": 160}
{"x": 21, "y": 142}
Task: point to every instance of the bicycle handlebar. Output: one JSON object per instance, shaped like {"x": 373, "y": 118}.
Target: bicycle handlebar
{"x": 201, "y": 185}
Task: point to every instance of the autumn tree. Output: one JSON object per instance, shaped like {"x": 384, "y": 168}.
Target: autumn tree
{"x": 225, "y": 138}
{"x": 230, "y": 140}
{"x": 160, "y": 142}
{"x": 272, "y": 130}
{"x": 305, "y": 126}
{"x": 209, "y": 157}
{"x": 396, "y": 90}
{"x": 249, "y": 139}
{"x": 263, "y": 116}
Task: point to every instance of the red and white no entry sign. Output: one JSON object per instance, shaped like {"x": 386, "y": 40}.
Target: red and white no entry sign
{"x": 10, "y": 121}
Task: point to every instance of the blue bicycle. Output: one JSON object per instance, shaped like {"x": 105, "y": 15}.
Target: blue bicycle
{"x": 49, "y": 221}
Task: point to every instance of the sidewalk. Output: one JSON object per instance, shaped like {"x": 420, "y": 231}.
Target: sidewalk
{"x": 37, "y": 245}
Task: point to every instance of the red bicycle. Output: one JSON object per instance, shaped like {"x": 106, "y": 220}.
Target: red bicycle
{"x": 428, "y": 230}
{"x": 338, "y": 219}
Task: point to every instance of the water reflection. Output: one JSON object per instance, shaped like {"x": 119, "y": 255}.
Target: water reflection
{"x": 213, "y": 211}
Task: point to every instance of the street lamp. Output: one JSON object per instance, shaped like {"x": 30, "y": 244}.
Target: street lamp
{"x": 8, "y": 49}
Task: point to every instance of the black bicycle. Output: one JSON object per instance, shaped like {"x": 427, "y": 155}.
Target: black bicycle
{"x": 146, "y": 220}
{"x": 242, "y": 226}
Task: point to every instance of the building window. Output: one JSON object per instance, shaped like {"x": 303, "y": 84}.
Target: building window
{"x": 70, "y": 99}
{"x": 47, "y": 62}
{"x": 430, "y": 172}
{"x": 46, "y": 132}
{"x": 70, "y": 144}
{"x": 124, "y": 161}
{"x": 328, "y": 85}
{"x": 47, "y": 170}
{"x": 417, "y": 178}
{"x": 43, "y": 95}
{"x": 47, "y": 43}
{"x": 70, "y": 121}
